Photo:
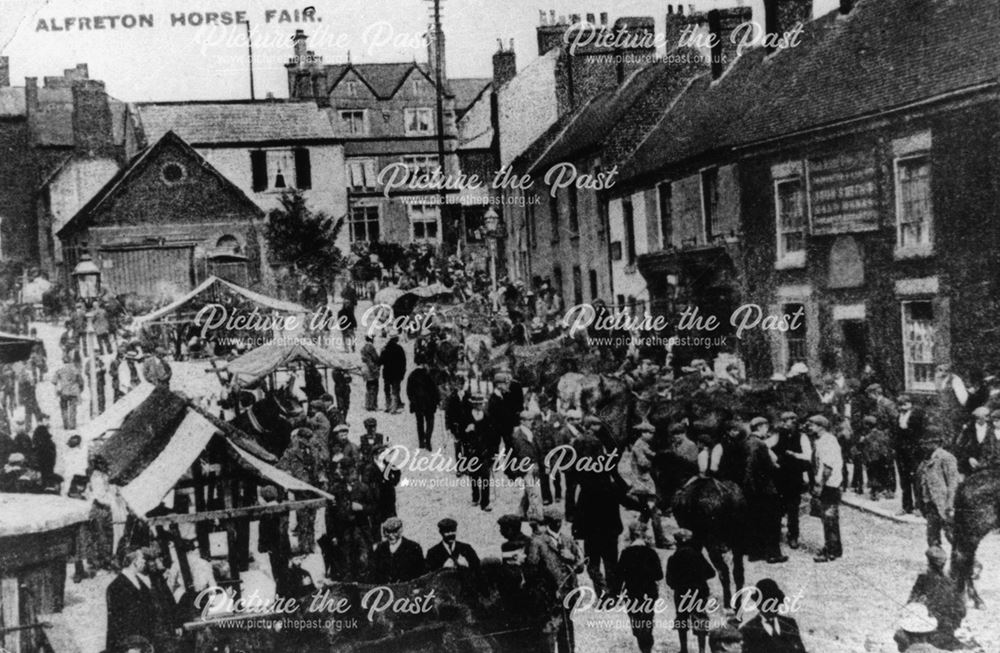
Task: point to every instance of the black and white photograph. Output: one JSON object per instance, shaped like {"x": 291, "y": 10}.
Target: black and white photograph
{"x": 467, "y": 326}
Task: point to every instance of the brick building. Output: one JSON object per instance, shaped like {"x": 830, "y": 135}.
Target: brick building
{"x": 855, "y": 176}
{"x": 61, "y": 141}
{"x": 164, "y": 223}
{"x": 386, "y": 115}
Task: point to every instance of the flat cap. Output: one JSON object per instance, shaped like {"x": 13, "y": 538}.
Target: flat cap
{"x": 447, "y": 525}
{"x": 981, "y": 411}
{"x": 553, "y": 513}
{"x": 644, "y": 427}
{"x": 509, "y": 521}
{"x": 15, "y": 458}
{"x": 819, "y": 420}
{"x": 870, "y": 420}
{"x": 873, "y": 387}
{"x": 392, "y": 525}
{"x": 500, "y": 377}
{"x": 370, "y": 421}
{"x": 937, "y": 554}
{"x": 574, "y": 413}
{"x": 788, "y": 415}
{"x": 528, "y": 414}
{"x": 757, "y": 421}
{"x": 592, "y": 420}
{"x": 682, "y": 535}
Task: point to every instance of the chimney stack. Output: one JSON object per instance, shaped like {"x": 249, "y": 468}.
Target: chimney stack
{"x": 31, "y": 94}
{"x": 91, "y": 116}
{"x": 715, "y": 29}
{"x": 780, "y": 16}
{"x": 300, "y": 47}
{"x": 4, "y": 72}
{"x": 550, "y": 33}
{"x": 504, "y": 65}
{"x": 436, "y": 42}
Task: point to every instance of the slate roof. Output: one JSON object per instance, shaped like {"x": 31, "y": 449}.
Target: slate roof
{"x": 884, "y": 55}
{"x": 203, "y": 123}
{"x": 384, "y": 79}
{"x": 467, "y": 90}
{"x": 607, "y": 116}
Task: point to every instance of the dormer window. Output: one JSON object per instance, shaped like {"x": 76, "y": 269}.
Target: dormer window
{"x": 419, "y": 121}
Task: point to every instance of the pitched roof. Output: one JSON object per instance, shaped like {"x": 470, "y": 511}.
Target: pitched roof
{"x": 384, "y": 79}
{"x": 882, "y": 56}
{"x": 134, "y": 167}
{"x": 608, "y": 115}
{"x": 201, "y": 123}
{"x": 467, "y": 90}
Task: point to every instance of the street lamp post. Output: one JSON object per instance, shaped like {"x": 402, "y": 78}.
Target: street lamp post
{"x": 491, "y": 221}
{"x": 88, "y": 282}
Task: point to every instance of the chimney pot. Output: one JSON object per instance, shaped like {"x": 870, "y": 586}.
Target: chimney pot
{"x": 552, "y": 16}
{"x": 512, "y": 44}
{"x": 604, "y": 19}
{"x": 82, "y": 71}
{"x": 541, "y": 17}
{"x": 574, "y": 19}
{"x": 590, "y": 19}
{"x": 499, "y": 45}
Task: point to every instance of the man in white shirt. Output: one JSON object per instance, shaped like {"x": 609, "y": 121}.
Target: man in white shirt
{"x": 828, "y": 475}
{"x": 449, "y": 552}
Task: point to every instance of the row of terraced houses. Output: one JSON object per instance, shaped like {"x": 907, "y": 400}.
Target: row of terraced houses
{"x": 852, "y": 178}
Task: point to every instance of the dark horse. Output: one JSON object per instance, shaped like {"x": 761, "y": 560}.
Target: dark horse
{"x": 977, "y": 512}
{"x": 267, "y": 420}
{"x": 715, "y": 512}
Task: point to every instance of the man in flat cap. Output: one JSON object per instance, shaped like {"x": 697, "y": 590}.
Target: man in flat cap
{"x": 907, "y": 435}
{"x": 828, "y": 475}
{"x": 393, "y": 363}
{"x": 395, "y": 559}
{"x": 770, "y": 631}
{"x": 371, "y": 438}
{"x": 449, "y": 552}
{"x": 370, "y": 370}
{"x": 767, "y": 501}
{"x": 937, "y": 483}
{"x": 794, "y": 452}
{"x": 553, "y": 561}
{"x": 423, "y": 395}
{"x": 977, "y": 441}
{"x": 525, "y": 464}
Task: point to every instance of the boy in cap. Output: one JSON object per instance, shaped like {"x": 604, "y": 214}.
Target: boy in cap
{"x": 555, "y": 560}
{"x": 939, "y": 593}
{"x": 449, "y": 552}
{"x": 828, "y": 475}
{"x": 639, "y": 575}
{"x": 687, "y": 574}
{"x": 937, "y": 482}
{"x": 371, "y": 438}
{"x": 770, "y": 631}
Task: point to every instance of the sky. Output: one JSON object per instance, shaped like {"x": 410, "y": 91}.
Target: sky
{"x": 176, "y": 60}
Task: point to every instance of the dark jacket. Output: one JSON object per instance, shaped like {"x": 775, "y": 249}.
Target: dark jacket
{"x": 43, "y": 452}
{"x": 687, "y": 570}
{"x": 639, "y": 572}
{"x": 757, "y": 640}
{"x": 789, "y": 476}
{"x": 438, "y": 555}
{"x": 502, "y": 416}
{"x": 422, "y": 392}
{"x": 131, "y": 611}
{"x": 405, "y": 564}
{"x": 393, "y": 362}
{"x": 907, "y": 441}
{"x": 456, "y": 414}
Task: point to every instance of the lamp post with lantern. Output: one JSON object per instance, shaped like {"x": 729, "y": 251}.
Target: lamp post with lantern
{"x": 88, "y": 285}
{"x": 491, "y": 220}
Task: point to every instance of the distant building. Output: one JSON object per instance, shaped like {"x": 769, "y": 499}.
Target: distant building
{"x": 60, "y": 142}
{"x": 164, "y": 223}
{"x": 386, "y": 115}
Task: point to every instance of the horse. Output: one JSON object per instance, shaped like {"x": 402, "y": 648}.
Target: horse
{"x": 715, "y": 513}
{"x": 268, "y": 420}
{"x": 977, "y": 513}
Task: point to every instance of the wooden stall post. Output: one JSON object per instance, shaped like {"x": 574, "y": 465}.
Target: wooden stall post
{"x": 10, "y": 612}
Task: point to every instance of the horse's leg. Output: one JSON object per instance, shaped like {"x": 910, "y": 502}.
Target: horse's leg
{"x": 963, "y": 560}
{"x": 716, "y": 554}
{"x": 739, "y": 577}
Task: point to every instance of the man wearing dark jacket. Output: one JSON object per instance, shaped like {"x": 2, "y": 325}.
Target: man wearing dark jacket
{"x": 393, "y": 362}
{"x": 456, "y": 416}
{"x": 769, "y": 631}
{"x": 794, "y": 452}
{"x": 131, "y": 610}
{"x": 395, "y": 559}
{"x": 422, "y": 393}
{"x": 449, "y": 552}
{"x": 906, "y": 443}
{"x": 639, "y": 574}
{"x": 370, "y": 367}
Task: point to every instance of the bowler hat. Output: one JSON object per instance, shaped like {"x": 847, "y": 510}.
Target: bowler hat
{"x": 509, "y": 521}
{"x": 370, "y": 421}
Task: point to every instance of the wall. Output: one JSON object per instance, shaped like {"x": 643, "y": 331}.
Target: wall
{"x": 73, "y": 187}
{"x": 527, "y": 106}
{"x": 17, "y": 210}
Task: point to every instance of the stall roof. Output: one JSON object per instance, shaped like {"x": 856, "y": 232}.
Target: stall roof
{"x": 22, "y": 514}
{"x": 217, "y": 284}
{"x": 14, "y": 348}
{"x": 114, "y": 416}
{"x": 163, "y": 437}
{"x": 258, "y": 363}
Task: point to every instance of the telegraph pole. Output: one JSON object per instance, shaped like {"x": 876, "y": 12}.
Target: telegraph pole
{"x": 439, "y": 88}
{"x": 250, "y": 59}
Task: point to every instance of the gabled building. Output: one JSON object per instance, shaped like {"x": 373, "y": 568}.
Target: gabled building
{"x": 862, "y": 173}
{"x": 165, "y": 222}
{"x": 60, "y": 141}
{"x": 386, "y": 114}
